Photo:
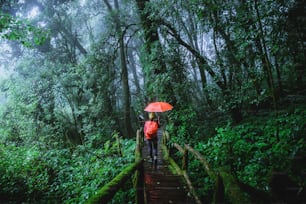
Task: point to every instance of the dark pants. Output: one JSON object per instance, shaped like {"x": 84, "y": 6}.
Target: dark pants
{"x": 152, "y": 143}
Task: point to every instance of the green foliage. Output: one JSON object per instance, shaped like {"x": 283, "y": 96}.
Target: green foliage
{"x": 20, "y": 30}
{"x": 182, "y": 125}
{"x": 21, "y": 174}
{"x": 70, "y": 93}
{"x": 256, "y": 149}
{"x": 107, "y": 190}
{"x": 34, "y": 175}
{"x": 202, "y": 183}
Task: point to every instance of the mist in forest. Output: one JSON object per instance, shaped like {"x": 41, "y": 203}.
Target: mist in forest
{"x": 75, "y": 77}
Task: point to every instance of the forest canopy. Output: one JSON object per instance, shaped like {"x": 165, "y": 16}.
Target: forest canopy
{"x": 76, "y": 76}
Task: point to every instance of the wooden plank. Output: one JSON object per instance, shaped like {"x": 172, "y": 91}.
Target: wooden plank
{"x": 161, "y": 184}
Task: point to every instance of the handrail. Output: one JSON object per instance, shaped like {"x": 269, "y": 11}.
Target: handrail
{"x": 225, "y": 182}
{"x": 183, "y": 171}
{"x": 107, "y": 192}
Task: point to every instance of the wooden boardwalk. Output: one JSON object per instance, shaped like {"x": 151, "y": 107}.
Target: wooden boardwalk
{"x": 161, "y": 185}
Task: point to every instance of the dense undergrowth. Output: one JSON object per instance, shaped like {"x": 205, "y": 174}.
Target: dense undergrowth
{"x": 67, "y": 175}
{"x": 256, "y": 152}
{"x": 253, "y": 152}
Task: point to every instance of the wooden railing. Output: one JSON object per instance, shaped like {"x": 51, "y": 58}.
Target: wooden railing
{"x": 107, "y": 192}
{"x": 226, "y": 185}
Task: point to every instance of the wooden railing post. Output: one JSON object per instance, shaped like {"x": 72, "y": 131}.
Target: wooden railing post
{"x": 139, "y": 174}
{"x": 139, "y": 185}
{"x": 118, "y": 144}
{"x": 165, "y": 144}
{"x": 139, "y": 140}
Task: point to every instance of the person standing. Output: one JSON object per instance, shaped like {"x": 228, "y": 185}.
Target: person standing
{"x": 150, "y": 131}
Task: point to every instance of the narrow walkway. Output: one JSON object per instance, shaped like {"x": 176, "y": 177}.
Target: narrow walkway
{"x": 161, "y": 185}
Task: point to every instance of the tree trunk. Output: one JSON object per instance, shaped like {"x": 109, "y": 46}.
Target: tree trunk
{"x": 124, "y": 71}
{"x": 264, "y": 57}
{"x": 193, "y": 38}
{"x": 155, "y": 64}
{"x": 134, "y": 72}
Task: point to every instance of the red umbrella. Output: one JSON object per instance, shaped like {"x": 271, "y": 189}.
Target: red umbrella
{"x": 158, "y": 107}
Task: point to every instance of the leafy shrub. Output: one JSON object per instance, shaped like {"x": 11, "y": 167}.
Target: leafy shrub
{"x": 182, "y": 124}
{"x": 255, "y": 149}
{"x": 33, "y": 175}
{"x": 21, "y": 175}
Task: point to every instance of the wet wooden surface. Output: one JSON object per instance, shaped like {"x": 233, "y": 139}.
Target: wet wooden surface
{"x": 161, "y": 185}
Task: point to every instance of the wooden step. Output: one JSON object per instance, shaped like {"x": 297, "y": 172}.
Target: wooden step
{"x": 161, "y": 185}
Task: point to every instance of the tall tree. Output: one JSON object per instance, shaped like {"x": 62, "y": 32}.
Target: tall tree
{"x": 156, "y": 84}
{"x": 124, "y": 70}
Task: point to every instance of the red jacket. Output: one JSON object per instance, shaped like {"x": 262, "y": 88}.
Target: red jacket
{"x": 150, "y": 129}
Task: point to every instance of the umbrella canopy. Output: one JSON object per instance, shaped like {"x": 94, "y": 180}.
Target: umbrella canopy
{"x": 158, "y": 107}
